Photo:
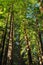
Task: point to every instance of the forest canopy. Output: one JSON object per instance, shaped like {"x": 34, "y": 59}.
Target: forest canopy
{"x": 21, "y": 32}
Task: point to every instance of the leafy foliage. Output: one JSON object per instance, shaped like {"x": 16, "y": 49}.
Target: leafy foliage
{"x": 26, "y": 12}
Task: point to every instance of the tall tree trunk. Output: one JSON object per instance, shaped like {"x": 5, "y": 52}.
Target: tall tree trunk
{"x": 39, "y": 42}
{"x": 28, "y": 45}
{"x": 41, "y": 10}
{"x": 41, "y": 45}
{"x": 3, "y": 41}
{"x": 9, "y": 56}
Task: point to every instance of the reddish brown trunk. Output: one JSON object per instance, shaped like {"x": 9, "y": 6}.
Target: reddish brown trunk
{"x": 9, "y": 56}
{"x": 39, "y": 42}
{"x": 28, "y": 47}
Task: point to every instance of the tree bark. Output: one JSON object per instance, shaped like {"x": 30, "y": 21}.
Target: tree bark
{"x": 28, "y": 45}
